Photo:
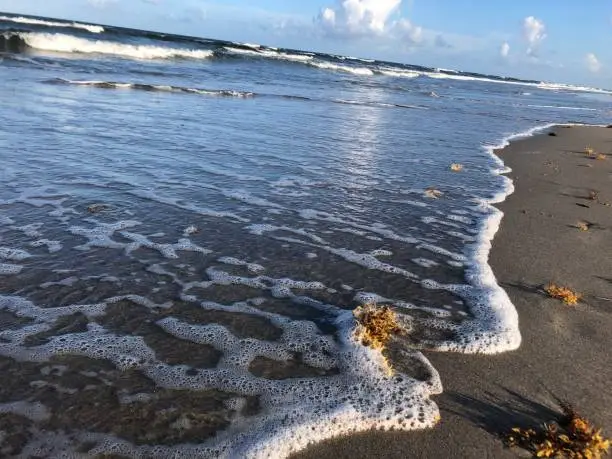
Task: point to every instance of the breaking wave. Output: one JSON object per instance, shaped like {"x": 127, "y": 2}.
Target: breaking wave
{"x": 74, "y": 25}
{"x": 362, "y": 71}
{"x": 270, "y": 54}
{"x": 57, "y": 42}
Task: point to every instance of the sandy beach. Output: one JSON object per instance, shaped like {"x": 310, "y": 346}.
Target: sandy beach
{"x": 565, "y": 350}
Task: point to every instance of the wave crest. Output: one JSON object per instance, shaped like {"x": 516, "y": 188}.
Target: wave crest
{"x": 58, "y": 42}
{"x": 270, "y": 54}
{"x": 74, "y": 25}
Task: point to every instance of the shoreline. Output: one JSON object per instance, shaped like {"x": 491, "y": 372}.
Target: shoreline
{"x": 563, "y": 352}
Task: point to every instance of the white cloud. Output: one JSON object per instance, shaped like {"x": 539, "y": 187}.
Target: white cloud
{"x": 534, "y": 32}
{"x": 361, "y": 17}
{"x": 593, "y": 63}
{"x": 408, "y": 32}
{"x": 504, "y": 50}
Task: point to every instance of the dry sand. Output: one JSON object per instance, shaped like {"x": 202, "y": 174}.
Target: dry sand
{"x": 566, "y": 351}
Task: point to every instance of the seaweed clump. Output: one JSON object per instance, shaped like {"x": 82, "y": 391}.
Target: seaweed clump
{"x": 571, "y": 436}
{"x": 583, "y": 226}
{"x": 564, "y": 294}
{"x": 376, "y": 325}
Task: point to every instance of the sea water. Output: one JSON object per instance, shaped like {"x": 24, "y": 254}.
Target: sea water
{"x": 186, "y": 226}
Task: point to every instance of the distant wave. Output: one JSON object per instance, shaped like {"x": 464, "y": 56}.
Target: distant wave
{"x": 559, "y": 107}
{"x": 214, "y": 92}
{"x": 74, "y": 25}
{"x": 267, "y": 53}
{"x": 57, "y": 42}
{"x": 22, "y": 41}
{"x": 305, "y": 58}
{"x": 440, "y": 69}
{"x": 250, "y": 45}
{"x": 362, "y": 71}
{"x": 569, "y": 87}
{"x": 398, "y": 73}
{"x": 152, "y": 87}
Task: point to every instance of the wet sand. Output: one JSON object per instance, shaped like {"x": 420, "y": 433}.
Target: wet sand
{"x": 565, "y": 350}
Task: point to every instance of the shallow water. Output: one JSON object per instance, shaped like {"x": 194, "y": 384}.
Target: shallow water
{"x": 186, "y": 226}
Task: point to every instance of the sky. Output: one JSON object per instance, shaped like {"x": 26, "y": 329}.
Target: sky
{"x": 553, "y": 40}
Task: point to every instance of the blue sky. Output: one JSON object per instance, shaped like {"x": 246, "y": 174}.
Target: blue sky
{"x": 556, "y": 40}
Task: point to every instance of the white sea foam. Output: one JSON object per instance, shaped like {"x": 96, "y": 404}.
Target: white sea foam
{"x": 74, "y": 25}
{"x": 32, "y": 230}
{"x": 250, "y": 45}
{"x": 252, "y": 267}
{"x": 58, "y": 42}
{"x": 8, "y": 253}
{"x": 343, "y": 402}
{"x": 7, "y": 269}
{"x": 495, "y": 327}
{"x": 570, "y": 87}
{"x": 559, "y": 107}
{"x": 425, "y": 262}
{"x": 269, "y": 54}
{"x": 387, "y": 71}
{"x": 52, "y": 246}
{"x": 361, "y": 71}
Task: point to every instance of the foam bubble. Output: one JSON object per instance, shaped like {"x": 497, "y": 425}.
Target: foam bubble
{"x": 8, "y": 269}
{"x": 52, "y": 246}
{"x": 8, "y": 253}
{"x": 166, "y": 250}
{"x": 252, "y": 267}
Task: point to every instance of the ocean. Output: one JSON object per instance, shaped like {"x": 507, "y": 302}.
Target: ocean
{"x": 187, "y": 224}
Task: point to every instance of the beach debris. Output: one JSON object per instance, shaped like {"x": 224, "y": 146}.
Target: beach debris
{"x": 567, "y": 295}
{"x": 583, "y": 226}
{"x": 589, "y": 151}
{"x": 376, "y": 325}
{"x": 97, "y": 208}
{"x": 570, "y": 435}
{"x": 552, "y": 134}
{"x": 433, "y": 193}
{"x": 593, "y": 195}
{"x": 455, "y": 167}
{"x": 601, "y": 157}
